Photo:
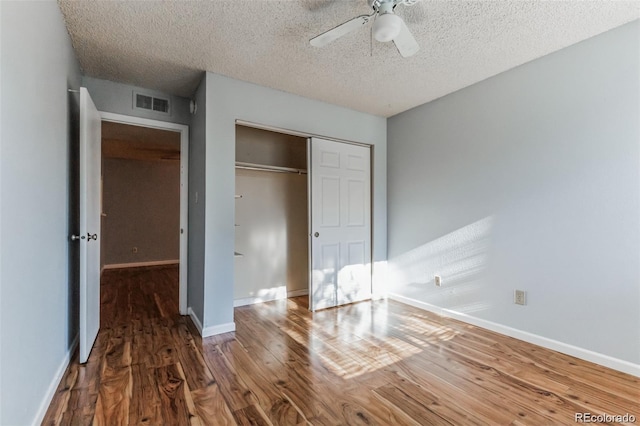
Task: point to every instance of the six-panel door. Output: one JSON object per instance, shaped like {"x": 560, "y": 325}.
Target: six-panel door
{"x": 340, "y": 223}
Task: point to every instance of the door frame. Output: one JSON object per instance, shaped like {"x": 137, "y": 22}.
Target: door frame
{"x": 183, "y": 130}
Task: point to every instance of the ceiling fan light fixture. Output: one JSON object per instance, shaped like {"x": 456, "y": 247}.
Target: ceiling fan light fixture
{"x": 387, "y": 27}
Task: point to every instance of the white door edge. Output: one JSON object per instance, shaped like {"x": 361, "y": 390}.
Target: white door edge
{"x": 183, "y": 129}
{"x": 309, "y": 222}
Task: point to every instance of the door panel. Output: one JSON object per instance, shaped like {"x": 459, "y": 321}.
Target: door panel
{"x": 329, "y": 159}
{"x": 327, "y": 255}
{"x": 340, "y": 188}
{"x": 357, "y": 163}
{"x": 330, "y": 216}
{"x": 90, "y": 206}
{"x": 356, "y": 203}
{"x": 355, "y": 273}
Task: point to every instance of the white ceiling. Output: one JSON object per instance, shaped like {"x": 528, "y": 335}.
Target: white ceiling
{"x": 166, "y": 45}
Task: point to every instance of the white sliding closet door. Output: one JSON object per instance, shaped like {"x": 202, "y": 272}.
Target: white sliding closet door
{"x": 340, "y": 210}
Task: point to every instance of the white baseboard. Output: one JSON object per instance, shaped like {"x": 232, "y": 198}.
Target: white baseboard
{"x": 195, "y": 320}
{"x": 378, "y": 296}
{"x": 53, "y": 386}
{"x": 212, "y": 330}
{"x": 139, "y": 264}
{"x": 247, "y": 301}
{"x": 218, "y": 329}
{"x": 585, "y": 354}
{"x": 296, "y": 293}
{"x": 253, "y": 300}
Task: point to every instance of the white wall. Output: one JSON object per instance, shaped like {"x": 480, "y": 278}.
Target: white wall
{"x": 228, "y": 100}
{"x": 39, "y": 296}
{"x": 529, "y": 180}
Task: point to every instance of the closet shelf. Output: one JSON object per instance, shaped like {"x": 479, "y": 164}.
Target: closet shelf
{"x": 264, "y": 167}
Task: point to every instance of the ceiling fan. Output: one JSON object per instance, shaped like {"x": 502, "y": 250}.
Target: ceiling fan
{"x": 387, "y": 26}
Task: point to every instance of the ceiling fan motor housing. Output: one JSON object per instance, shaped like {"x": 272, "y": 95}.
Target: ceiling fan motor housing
{"x": 387, "y": 27}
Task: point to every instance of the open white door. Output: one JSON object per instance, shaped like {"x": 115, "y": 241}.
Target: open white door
{"x": 340, "y": 210}
{"x": 90, "y": 171}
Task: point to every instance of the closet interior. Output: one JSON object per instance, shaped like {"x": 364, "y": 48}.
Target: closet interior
{"x": 271, "y": 216}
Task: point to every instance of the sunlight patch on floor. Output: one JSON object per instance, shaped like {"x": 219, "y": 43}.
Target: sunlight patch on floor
{"x": 347, "y": 340}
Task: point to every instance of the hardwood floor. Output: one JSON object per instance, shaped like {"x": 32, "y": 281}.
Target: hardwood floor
{"x": 369, "y": 363}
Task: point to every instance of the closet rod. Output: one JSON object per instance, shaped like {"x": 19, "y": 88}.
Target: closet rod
{"x": 266, "y": 168}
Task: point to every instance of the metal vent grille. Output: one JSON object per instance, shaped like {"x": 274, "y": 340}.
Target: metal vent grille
{"x": 150, "y": 103}
{"x": 161, "y": 105}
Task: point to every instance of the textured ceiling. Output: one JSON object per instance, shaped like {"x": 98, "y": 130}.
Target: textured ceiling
{"x": 166, "y": 45}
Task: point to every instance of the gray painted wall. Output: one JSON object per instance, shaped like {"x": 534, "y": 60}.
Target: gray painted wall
{"x": 197, "y": 197}
{"x": 118, "y": 98}
{"x": 39, "y": 296}
{"x": 528, "y": 180}
{"x": 228, "y": 100}
{"x": 141, "y": 200}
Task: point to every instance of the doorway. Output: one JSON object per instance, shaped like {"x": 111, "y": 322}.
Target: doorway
{"x": 140, "y": 218}
{"x": 144, "y": 211}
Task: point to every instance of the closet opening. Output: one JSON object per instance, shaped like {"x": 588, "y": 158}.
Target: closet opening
{"x": 271, "y": 216}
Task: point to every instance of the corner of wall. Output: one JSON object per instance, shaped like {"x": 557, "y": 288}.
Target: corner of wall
{"x": 219, "y": 329}
{"x": 196, "y": 201}
{"x": 578, "y": 352}
{"x": 55, "y": 381}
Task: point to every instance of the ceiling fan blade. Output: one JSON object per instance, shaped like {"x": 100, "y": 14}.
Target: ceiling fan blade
{"x": 342, "y": 29}
{"x": 405, "y": 43}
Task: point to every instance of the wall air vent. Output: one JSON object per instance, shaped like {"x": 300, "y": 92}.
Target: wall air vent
{"x": 150, "y": 103}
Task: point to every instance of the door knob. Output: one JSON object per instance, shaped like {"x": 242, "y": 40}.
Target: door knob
{"x": 77, "y": 237}
{"x": 317, "y": 234}
{"x": 91, "y": 237}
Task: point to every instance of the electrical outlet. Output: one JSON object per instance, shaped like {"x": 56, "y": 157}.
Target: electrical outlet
{"x": 134, "y": 250}
{"x": 520, "y": 297}
{"x": 437, "y": 280}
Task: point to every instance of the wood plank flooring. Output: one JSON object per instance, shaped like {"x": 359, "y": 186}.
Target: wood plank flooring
{"x": 371, "y": 363}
